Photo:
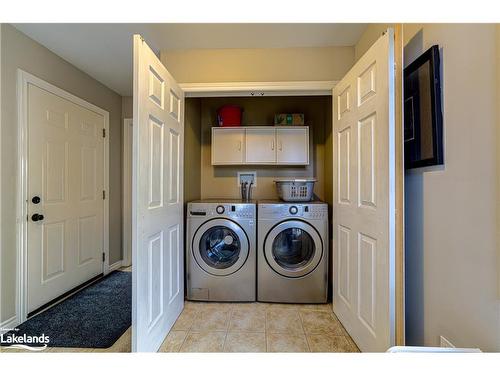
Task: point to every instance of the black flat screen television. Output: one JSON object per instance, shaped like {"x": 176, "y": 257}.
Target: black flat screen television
{"x": 423, "y": 120}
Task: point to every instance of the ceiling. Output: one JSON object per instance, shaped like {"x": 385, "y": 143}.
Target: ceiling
{"x": 104, "y": 51}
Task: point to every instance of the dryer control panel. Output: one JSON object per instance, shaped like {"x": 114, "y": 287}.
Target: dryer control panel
{"x": 312, "y": 211}
{"x": 222, "y": 209}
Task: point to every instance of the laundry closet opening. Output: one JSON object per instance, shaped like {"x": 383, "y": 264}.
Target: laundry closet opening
{"x": 202, "y": 180}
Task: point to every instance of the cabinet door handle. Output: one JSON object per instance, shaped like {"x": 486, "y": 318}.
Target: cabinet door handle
{"x": 272, "y": 145}
{"x": 239, "y": 145}
{"x": 280, "y": 146}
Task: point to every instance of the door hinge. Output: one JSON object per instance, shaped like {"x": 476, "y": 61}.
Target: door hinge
{"x": 104, "y": 194}
{"x": 103, "y": 257}
{"x": 103, "y": 132}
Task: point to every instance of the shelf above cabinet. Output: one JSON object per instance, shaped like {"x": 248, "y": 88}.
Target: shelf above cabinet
{"x": 264, "y": 145}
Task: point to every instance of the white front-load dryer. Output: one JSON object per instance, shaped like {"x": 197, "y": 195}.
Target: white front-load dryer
{"x": 221, "y": 251}
{"x": 292, "y": 252}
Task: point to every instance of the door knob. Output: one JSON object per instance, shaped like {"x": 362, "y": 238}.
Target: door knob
{"x": 35, "y": 199}
{"x": 36, "y": 217}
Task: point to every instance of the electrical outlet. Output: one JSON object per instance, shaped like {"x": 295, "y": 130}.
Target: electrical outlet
{"x": 445, "y": 343}
{"x": 247, "y": 177}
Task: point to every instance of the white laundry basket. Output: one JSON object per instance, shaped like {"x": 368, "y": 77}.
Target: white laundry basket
{"x": 295, "y": 189}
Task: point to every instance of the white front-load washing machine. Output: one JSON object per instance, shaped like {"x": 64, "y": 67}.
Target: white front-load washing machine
{"x": 221, "y": 251}
{"x": 292, "y": 260}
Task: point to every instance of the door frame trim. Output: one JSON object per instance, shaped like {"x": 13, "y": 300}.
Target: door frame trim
{"x": 127, "y": 192}
{"x": 23, "y": 80}
{"x": 282, "y": 88}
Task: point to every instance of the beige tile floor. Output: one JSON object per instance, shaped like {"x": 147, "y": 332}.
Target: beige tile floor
{"x": 257, "y": 327}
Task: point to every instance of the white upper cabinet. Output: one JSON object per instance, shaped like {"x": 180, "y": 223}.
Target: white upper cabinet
{"x": 268, "y": 145}
{"x": 260, "y": 145}
{"x": 228, "y": 146}
{"x": 292, "y": 146}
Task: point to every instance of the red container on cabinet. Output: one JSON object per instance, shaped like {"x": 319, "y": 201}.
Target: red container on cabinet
{"x": 229, "y": 115}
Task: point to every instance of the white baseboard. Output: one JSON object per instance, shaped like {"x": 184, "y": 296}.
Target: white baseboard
{"x": 115, "y": 266}
{"x": 9, "y": 324}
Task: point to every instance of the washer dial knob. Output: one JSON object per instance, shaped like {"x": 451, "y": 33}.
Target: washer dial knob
{"x": 220, "y": 210}
{"x": 293, "y": 210}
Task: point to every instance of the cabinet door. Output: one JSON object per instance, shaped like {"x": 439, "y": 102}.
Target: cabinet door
{"x": 260, "y": 146}
{"x": 293, "y": 145}
{"x": 227, "y": 146}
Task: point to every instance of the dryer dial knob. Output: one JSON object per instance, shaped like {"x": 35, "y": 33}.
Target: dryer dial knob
{"x": 220, "y": 210}
{"x": 293, "y": 210}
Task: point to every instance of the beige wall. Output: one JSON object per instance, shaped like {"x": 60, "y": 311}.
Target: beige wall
{"x": 192, "y": 149}
{"x": 451, "y": 245}
{"x": 498, "y": 151}
{"x": 220, "y": 181}
{"x": 19, "y": 51}
{"x": 271, "y": 64}
{"x": 127, "y": 107}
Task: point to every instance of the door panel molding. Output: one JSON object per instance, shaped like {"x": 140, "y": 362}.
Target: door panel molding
{"x": 24, "y": 79}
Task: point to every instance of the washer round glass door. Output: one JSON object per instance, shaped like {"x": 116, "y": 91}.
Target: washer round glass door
{"x": 293, "y": 248}
{"x": 220, "y": 247}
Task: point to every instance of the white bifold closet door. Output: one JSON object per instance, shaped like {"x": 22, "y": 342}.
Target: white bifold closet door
{"x": 364, "y": 198}
{"x": 157, "y": 200}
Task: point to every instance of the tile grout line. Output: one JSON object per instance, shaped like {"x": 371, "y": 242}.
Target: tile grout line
{"x": 265, "y": 328}
{"x": 189, "y": 330}
{"x": 183, "y": 341}
{"x": 304, "y": 330}
{"x": 227, "y": 328}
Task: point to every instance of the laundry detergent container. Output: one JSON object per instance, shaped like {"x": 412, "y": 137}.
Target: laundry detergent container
{"x": 229, "y": 115}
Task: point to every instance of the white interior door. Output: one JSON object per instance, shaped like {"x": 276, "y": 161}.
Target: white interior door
{"x": 65, "y": 202}
{"x": 157, "y": 202}
{"x": 364, "y": 198}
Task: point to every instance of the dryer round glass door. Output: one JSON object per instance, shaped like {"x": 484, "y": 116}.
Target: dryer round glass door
{"x": 220, "y": 247}
{"x": 293, "y": 248}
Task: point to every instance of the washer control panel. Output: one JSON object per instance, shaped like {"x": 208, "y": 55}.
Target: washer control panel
{"x": 312, "y": 211}
{"x": 231, "y": 210}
